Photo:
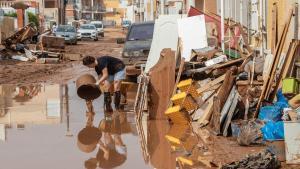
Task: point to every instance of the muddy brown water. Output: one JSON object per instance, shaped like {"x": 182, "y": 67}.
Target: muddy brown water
{"x": 41, "y": 126}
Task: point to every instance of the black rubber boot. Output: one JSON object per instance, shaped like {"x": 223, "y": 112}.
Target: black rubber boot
{"x": 107, "y": 102}
{"x": 117, "y": 99}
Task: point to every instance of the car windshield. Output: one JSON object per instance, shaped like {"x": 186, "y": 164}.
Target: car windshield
{"x": 87, "y": 27}
{"x": 98, "y": 25}
{"x": 141, "y": 32}
{"x": 65, "y": 29}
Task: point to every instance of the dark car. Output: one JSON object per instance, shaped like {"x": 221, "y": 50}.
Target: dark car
{"x": 138, "y": 43}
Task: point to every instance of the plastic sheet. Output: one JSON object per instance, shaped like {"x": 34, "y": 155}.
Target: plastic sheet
{"x": 274, "y": 113}
{"x": 273, "y": 131}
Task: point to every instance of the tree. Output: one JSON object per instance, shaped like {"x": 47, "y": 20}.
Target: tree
{"x": 11, "y": 14}
{"x": 33, "y": 18}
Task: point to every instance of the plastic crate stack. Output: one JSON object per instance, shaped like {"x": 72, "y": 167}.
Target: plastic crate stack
{"x": 183, "y": 102}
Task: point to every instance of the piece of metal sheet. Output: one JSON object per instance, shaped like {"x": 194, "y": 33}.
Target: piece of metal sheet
{"x": 292, "y": 142}
{"x": 165, "y": 35}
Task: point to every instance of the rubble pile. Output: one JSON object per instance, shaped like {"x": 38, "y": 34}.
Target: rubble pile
{"x": 263, "y": 159}
{"x": 28, "y": 45}
{"x": 237, "y": 91}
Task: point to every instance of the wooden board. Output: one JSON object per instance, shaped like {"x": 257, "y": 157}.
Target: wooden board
{"x": 230, "y": 114}
{"x": 162, "y": 81}
{"x": 286, "y": 67}
{"x": 73, "y": 56}
{"x": 227, "y": 104}
{"x": 267, "y": 84}
{"x": 274, "y": 28}
{"x": 211, "y": 84}
{"x": 52, "y": 42}
{"x": 220, "y": 100}
{"x": 215, "y": 122}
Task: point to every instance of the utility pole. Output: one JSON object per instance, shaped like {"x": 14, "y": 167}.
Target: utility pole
{"x": 222, "y": 26}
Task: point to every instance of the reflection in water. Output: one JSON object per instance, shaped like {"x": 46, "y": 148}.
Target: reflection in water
{"x": 161, "y": 155}
{"x": 27, "y": 92}
{"x": 111, "y": 150}
{"x": 29, "y": 104}
{"x": 111, "y": 139}
{"x": 49, "y": 113}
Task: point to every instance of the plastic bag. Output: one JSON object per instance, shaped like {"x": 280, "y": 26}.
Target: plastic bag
{"x": 282, "y": 102}
{"x": 250, "y": 133}
{"x": 274, "y": 113}
{"x": 270, "y": 113}
{"x": 273, "y": 131}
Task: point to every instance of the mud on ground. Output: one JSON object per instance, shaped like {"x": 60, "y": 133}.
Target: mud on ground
{"x": 16, "y": 72}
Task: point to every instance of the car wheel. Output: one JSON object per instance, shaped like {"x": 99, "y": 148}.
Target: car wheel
{"x": 96, "y": 39}
{"x": 79, "y": 39}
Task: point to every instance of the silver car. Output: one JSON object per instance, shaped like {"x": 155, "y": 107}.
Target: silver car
{"x": 87, "y": 31}
{"x": 68, "y": 32}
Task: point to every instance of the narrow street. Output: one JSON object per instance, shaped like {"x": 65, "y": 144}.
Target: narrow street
{"x": 152, "y": 84}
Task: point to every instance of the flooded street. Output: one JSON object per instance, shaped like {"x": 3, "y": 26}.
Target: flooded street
{"x": 38, "y": 132}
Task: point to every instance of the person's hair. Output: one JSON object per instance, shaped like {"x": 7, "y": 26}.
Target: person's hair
{"x": 87, "y": 60}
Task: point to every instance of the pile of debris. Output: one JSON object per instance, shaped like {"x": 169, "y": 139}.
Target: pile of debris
{"x": 264, "y": 159}
{"x": 229, "y": 92}
{"x": 47, "y": 48}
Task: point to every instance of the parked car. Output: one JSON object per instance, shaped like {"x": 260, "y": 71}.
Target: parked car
{"x": 137, "y": 43}
{"x": 126, "y": 24}
{"x": 99, "y": 27}
{"x": 68, "y": 32}
{"x": 87, "y": 31}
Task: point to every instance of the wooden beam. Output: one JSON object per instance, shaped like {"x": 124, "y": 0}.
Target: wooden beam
{"x": 272, "y": 71}
{"x": 274, "y": 28}
{"x": 286, "y": 67}
{"x": 220, "y": 100}
{"x": 211, "y": 84}
{"x": 162, "y": 81}
{"x": 230, "y": 114}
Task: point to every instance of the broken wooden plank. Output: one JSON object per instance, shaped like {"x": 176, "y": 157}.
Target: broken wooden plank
{"x": 207, "y": 111}
{"x": 247, "y": 82}
{"x": 217, "y": 66}
{"x": 54, "y": 42}
{"x": 220, "y": 100}
{"x": 227, "y": 104}
{"x": 73, "y": 56}
{"x": 230, "y": 115}
{"x": 271, "y": 73}
{"x": 274, "y": 28}
{"x": 286, "y": 67}
{"x": 161, "y": 87}
{"x": 211, "y": 84}
{"x": 215, "y": 123}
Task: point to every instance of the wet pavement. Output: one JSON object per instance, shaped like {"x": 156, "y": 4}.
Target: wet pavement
{"x": 39, "y": 124}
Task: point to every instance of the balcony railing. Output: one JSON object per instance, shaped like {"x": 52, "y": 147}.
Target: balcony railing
{"x": 6, "y": 4}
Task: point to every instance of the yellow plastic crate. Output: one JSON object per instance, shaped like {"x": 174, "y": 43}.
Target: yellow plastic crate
{"x": 177, "y": 115}
{"x": 177, "y": 133}
{"x": 184, "y": 100}
{"x": 186, "y": 161}
{"x": 189, "y": 87}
